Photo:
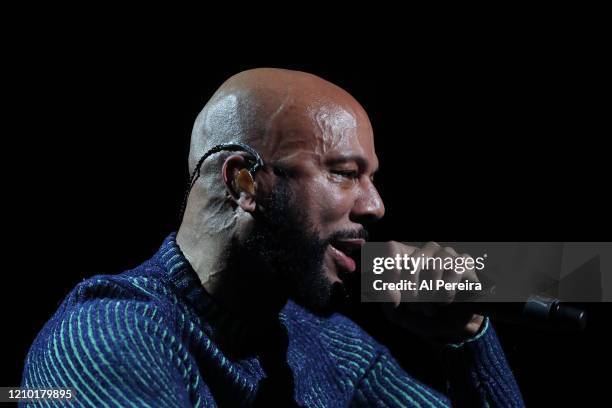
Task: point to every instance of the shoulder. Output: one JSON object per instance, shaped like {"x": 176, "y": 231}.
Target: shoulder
{"x": 114, "y": 339}
{"x": 108, "y": 316}
{"x": 141, "y": 285}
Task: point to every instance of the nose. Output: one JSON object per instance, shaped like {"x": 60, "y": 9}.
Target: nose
{"x": 369, "y": 206}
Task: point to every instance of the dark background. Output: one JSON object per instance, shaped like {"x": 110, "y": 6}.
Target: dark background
{"x": 480, "y": 138}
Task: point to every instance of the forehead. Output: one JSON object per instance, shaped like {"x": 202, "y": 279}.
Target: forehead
{"x": 322, "y": 129}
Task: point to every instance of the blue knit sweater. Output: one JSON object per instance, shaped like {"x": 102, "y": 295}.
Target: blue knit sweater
{"x": 144, "y": 338}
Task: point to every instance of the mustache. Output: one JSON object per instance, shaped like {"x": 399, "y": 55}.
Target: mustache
{"x": 361, "y": 233}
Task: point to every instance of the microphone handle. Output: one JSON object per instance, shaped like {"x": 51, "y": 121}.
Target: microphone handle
{"x": 537, "y": 310}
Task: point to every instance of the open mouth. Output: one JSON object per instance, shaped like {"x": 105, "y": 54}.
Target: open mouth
{"x": 345, "y": 252}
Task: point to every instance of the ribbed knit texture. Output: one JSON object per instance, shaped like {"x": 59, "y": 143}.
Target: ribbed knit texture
{"x": 143, "y": 339}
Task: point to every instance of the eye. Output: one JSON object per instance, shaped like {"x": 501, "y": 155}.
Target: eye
{"x": 351, "y": 174}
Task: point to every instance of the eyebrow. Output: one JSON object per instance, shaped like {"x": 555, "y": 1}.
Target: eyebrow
{"x": 360, "y": 160}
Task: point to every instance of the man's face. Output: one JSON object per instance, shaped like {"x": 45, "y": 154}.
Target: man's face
{"x": 320, "y": 204}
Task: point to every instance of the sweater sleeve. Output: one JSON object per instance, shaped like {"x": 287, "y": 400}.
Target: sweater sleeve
{"x": 112, "y": 352}
{"x": 478, "y": 373}
{"x": 386, "y": 384}
{"x": 479, "y": 376}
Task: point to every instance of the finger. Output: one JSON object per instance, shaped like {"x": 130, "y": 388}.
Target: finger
{"x": 431, "y": 248}
{"x": 451, "y": 251}
{"x": 455, "y": 272}
{"x": 428, "y": 251}
{"x": 449, "y": 275}
{"x": 396, "y": 275}
{"x": 449, "y": 261}
{"x": 470, "y": 272}
{"x": 405, "y": 272}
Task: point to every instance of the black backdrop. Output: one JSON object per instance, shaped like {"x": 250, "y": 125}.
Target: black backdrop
{"x": 477, "y": 141}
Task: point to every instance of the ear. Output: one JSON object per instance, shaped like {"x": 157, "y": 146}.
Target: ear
{"x": 239, "y": 182}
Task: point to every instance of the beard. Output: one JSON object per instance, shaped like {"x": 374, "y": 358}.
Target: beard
{"x": 289, "y": 246}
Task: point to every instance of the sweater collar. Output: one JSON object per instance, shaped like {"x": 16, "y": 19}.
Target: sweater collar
{"x": 178, "y": 272}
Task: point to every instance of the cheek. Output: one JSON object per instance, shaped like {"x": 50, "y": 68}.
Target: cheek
{"x": 328, "y": 202}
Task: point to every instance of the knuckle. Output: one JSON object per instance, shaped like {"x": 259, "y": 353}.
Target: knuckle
{"x": 450, "y": 250}
{"x": 432, "y": 245}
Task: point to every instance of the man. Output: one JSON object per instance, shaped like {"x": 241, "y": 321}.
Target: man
{"x": 236, "y": 309}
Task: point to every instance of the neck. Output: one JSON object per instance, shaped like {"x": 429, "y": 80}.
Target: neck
{"x": 238, "y": 281}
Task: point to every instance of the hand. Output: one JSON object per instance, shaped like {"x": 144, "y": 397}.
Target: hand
{"x": 430, "y": 314}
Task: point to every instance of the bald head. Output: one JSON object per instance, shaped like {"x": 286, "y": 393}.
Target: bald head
{"x": 315, "y": 189}
{"x": 299, "y": 123}
{"x": 275, "y": 110}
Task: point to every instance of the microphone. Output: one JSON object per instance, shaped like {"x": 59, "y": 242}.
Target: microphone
{"x": 537, "y": 310}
